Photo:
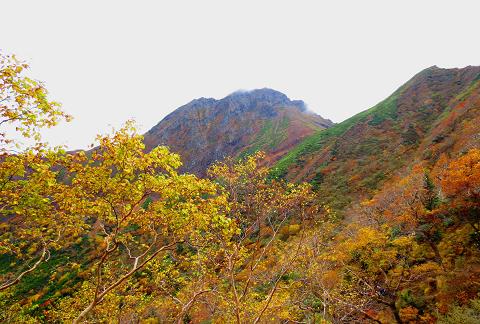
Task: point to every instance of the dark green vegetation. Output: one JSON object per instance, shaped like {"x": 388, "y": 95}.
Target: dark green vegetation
{"x": 272, "y": 134}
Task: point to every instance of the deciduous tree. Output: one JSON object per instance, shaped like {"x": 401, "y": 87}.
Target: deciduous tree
{"x": 31, "y": 220}
{"x": 140, "y": 208}
{"x": 259, "y": 264}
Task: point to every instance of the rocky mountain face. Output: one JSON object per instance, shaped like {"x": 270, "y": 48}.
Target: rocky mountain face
{"x": 436, "y": 112}
{"x": 206, "y": 130}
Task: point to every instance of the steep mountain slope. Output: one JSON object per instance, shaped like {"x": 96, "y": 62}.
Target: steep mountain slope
{"x": 436, "y": 111}
{"x": 206, "y": 130}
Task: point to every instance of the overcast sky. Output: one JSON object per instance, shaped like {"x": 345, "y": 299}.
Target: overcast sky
{"x": 108, "y": 61}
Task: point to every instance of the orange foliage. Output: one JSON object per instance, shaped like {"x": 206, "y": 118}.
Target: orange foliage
{"x": 462, "y": 178}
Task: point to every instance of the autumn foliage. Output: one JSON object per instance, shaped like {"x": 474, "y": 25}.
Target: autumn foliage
{"x": 118, "y": 234}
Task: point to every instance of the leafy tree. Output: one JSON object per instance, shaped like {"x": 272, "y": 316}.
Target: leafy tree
{"x": 314, "y": 297}
{"x": 31, "y": 220}
{"x": 259, "y": 263}
{"x": 140, "y": 209}
{"x": 24, "y": 104}
{"x": 410, "y": 204}
{"x": 461, "y": 182}
{"x": 375, "y": 270}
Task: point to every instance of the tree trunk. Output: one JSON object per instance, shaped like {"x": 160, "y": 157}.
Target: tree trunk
{"x": 85, "y": 312}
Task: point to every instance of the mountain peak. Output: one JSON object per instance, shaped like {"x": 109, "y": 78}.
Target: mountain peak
{"x": 206, "y": 129}
{"x": 265, "y": 101}
{"x": 261, "y": 94}
{"x": 436, "y": 71}
{"x": 441, "y": 81}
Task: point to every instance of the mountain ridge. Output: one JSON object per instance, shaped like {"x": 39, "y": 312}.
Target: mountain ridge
{"x": 357, "y": 155}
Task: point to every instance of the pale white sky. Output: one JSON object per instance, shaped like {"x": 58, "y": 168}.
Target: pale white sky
{"x": 108, "y": 61}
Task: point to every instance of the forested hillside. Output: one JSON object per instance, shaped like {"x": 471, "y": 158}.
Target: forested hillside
{"x": 287, "y": 219}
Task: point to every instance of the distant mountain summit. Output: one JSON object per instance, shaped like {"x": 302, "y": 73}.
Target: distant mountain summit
{"x": 206, "y": 130}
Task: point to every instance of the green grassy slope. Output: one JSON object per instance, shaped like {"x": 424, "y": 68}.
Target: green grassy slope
{"x": 380, "y": 112}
